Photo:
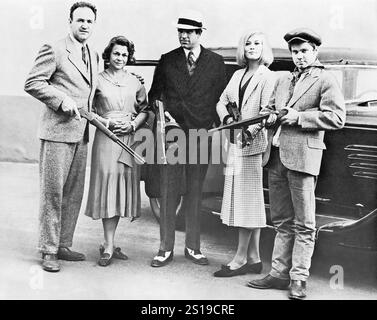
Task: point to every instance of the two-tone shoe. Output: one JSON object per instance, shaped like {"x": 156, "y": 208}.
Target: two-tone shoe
{"x": 162, "y": 258}
{"x": 196, "y": 256}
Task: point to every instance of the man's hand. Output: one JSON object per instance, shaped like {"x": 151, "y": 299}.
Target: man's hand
{"x": 270, "y": 120}
{"x": 69, "y": 107}
{"x": 291, "y": 118}
{"x": 139, "y": 77}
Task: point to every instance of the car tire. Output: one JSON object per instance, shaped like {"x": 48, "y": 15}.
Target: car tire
{"x": 180, "y": 220}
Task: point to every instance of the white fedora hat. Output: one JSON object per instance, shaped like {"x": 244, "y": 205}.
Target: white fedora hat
{"x": 190, "y": 20}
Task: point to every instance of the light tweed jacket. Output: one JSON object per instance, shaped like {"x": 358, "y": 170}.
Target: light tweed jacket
{"x": 256, "y": 97}
{"x": 320, "y": 104}
{"x": 59, "y": 72}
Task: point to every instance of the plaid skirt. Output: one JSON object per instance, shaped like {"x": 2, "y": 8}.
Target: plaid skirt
{"x": 243, "y": 201}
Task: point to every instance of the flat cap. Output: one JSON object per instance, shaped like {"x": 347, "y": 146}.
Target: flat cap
{"x": 303, "y": 34}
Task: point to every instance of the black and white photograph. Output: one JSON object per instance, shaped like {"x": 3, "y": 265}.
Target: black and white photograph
{"x": 207, "y": 152}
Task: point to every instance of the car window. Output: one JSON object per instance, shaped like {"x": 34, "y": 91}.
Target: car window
{"x": 366, "y": 87}
{"x": 356, "y": 82}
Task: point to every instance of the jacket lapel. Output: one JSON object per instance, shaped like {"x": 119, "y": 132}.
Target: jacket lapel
{"x": 303, "y": 86}
{"x": 253, "y": 83}
{"x": 180, "y": 63}
{"x": 201, "y": 65}
{"x": 76, "y": 60}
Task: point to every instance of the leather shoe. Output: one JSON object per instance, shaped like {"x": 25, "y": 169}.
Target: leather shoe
{"x": 50, "y": 262}
{"x": 117, "y": 253}
{"x": 244, "y": 269}
{"x": 105, "y": 259}
{"x": 297, "y": 291}
{"x": 161, "y": 259}
{"x": 65, "y": 253}
{"x": 269, "y": 282}
{"x": 196, "y": 256}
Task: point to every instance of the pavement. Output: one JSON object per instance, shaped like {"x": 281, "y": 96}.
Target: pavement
{"x": 335, "y": 274}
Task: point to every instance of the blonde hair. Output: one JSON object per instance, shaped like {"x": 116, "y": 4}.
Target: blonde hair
{"x": 266, "y": 57}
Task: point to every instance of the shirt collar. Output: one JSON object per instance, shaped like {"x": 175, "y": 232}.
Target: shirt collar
{"x": 196, "y": 51}
{"x": 308, "y": 70}
{"x": 77, "y": 44}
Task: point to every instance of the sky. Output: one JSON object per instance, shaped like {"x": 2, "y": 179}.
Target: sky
{"x": 26, "y": 24}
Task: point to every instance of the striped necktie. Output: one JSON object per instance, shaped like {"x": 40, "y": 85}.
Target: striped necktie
{"x": 191, "y": 62}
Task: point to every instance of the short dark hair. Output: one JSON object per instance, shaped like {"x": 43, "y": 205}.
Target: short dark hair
{"x": 197, "y": 31}
{"x": 121, "y": 41}
{"x": 299, "y": 42}
{"x": 83, "y": 4}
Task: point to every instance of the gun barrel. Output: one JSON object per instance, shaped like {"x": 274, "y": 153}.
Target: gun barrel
{"x": 95, "y": 122}
{"x": 241, "y": 124}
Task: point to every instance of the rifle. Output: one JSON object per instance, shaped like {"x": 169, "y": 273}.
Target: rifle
{"x": 95, "y": 122}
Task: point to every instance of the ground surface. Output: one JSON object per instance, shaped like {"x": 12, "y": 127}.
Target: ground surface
{"x": 22, "y": 278}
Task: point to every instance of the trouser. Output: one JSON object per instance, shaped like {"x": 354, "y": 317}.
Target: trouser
{"x": 292, "y": 207}
{"x": 171, "y": 180}
{"x": 62, "y": 177}
{"x": 191, "y": 203}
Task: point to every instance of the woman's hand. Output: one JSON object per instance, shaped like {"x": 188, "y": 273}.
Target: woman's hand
{"x": 113, "y": 123}
{"x": 123, "y": 128}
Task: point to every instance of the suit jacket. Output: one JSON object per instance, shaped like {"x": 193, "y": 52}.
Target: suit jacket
{"x": 256, "y": 97}
{"x": 320, "y": 104}
{"x": 59, "y": 72}
{"x": 191, "y": 100}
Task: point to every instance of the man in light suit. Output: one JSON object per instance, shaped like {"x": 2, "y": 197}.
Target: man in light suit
{"x": 189, "y": 80}
{"x": 314, "y": 103}
{"x": 63, "y": 78}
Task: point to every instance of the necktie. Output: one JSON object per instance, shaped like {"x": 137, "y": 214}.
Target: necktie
{"x": 84, "y": 56}
{"x": 191, "y": 62}
{"x": 190, "y": 58}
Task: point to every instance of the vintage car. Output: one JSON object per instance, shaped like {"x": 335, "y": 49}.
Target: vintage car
{"x": 346, "y": 192}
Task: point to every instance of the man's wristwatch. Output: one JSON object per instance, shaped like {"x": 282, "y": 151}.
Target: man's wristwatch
{"x": 133, "y": 125}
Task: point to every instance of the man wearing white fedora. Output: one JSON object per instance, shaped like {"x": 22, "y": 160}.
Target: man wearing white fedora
{"x": 189, "y": 80}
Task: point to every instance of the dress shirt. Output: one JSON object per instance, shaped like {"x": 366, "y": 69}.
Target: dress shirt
{"x": 196, "y": 52}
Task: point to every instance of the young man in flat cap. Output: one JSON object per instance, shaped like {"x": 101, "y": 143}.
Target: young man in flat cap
{"x": 189, "y": 80}
{"x": 314, "y": 103}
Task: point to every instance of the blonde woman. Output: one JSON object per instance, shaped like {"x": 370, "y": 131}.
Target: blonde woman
{"x": 250, "y": 89}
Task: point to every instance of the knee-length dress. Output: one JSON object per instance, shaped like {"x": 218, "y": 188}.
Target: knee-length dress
{"x": 243, "y": 201}
{"x": 114, "y": 187}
